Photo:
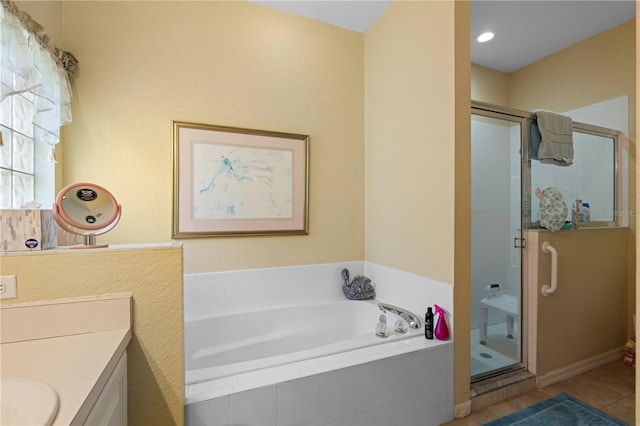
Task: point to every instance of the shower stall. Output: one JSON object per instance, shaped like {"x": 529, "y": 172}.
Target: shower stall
{"x": 503, "y": 204}
{"x": 496, "y": 240}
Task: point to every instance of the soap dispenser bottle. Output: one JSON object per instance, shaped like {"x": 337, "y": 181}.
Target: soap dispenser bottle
{"x": 585, "y": 213}
{"x": 575, "y": 214}
{"x": 428, "y": 324}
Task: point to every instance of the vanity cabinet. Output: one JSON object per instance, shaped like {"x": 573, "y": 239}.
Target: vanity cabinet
{"x": 110, "y": 408}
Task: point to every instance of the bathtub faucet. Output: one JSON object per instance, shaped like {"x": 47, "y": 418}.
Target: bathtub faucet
{"x": 411, "y": 318}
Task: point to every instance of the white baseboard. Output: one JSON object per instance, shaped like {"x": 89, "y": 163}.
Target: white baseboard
{"x": 462, "y": 410}
{"x": 564, "y": 373}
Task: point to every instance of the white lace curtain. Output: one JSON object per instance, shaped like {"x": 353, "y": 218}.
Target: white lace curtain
{"x": 30, "y": 63}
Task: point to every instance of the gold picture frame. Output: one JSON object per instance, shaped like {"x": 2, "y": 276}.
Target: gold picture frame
{"x": 230, "y": 181}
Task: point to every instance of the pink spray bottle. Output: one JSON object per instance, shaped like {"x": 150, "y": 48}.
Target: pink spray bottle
{"x": 442, "y": 331}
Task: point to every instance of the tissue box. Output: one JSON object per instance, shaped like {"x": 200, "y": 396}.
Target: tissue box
{"x": 27, "y": 230}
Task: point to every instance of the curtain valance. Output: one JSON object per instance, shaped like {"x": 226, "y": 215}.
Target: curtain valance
{"x": 29, "y": 62}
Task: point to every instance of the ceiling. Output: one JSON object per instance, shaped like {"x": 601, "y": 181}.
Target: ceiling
{"x": 356, "y": 15}
{"x": 526, "y": 30}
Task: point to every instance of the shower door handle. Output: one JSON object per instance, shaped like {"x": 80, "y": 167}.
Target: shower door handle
{"x": 521, "y": 242}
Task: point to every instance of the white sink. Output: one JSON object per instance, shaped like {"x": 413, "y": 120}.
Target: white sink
{"x": 26, "y": 401}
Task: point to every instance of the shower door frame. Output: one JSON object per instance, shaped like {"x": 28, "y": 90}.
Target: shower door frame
{"x": 620, "y": 202}
{"x": 515, "y": 116}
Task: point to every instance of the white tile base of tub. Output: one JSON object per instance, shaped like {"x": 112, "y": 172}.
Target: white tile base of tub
{"x": 413, "y": 389}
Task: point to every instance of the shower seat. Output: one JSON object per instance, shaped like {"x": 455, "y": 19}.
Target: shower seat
{"x": 502, "y": 303}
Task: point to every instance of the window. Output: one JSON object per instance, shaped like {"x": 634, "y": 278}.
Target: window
{"x": 25, "y": 175}
{"x": 35, "y": 99}
{"x": 591, "y": 179}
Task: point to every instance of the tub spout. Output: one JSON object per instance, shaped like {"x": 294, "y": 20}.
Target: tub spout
{"x": 411, "y": 318}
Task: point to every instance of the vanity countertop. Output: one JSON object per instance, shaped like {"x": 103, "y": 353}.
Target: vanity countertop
{"x": 76, "y": 365}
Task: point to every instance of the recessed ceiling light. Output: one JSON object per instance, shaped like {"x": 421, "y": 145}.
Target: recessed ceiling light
{"x": 485, "y": 37}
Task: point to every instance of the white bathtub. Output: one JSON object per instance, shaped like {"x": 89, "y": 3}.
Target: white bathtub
{"x": 221, "y": 346}
{"x": 273, "y": 346}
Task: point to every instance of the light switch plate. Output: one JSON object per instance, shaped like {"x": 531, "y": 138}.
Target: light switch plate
{"x": 8, "y": 287}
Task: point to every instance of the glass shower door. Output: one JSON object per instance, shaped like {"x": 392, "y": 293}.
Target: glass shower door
{"x": 496, "y": 243}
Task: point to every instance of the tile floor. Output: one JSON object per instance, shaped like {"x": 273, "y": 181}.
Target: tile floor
{"x": 610, "y": 388}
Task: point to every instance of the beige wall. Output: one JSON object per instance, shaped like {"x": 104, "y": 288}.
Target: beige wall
{"x": 597, "y": 69}
{"x": 154, "y": 278}
{"x": 144, "y": 64}
{"x": 417, "y": 134}
{"x": 462, "y": 234}
{"x": 586, "y": 316}
{"x": 46, "y": 13}
{"x": 409, "y": 132}
{"x": 488, "y": 85}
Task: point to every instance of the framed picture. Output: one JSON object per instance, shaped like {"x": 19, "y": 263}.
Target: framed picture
{"x": 231, "y": 181}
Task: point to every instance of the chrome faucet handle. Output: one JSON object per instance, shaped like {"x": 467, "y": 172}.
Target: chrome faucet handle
{"x": 411, "y": 318}
{"x": 402, "y": 327}
{"x": 381, "y": 328}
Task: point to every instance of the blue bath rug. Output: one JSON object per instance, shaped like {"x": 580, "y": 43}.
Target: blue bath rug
{"x": 561, "y": 410}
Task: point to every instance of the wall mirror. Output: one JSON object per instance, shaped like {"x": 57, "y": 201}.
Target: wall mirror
{"x": 86, "y": 209}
